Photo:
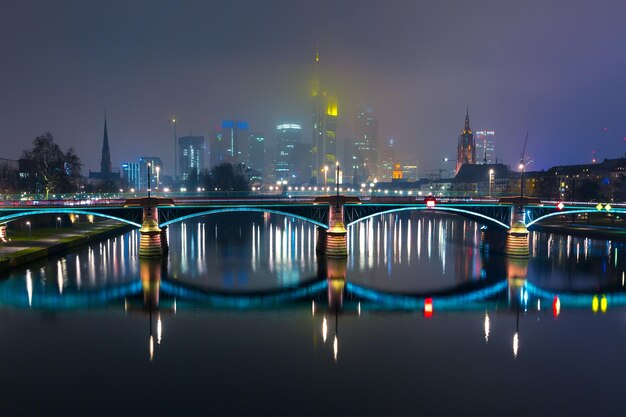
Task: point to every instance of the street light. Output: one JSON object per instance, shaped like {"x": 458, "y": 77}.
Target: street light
{"x": 30, "y": 235}
{"x": 158, "y": 171}
{"x": 325, "y": 174}
{"x": 491, "y": 182}
{"x": 58, "y": 222}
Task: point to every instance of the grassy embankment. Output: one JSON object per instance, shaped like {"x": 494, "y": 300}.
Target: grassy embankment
{"x": 24, "y": 246}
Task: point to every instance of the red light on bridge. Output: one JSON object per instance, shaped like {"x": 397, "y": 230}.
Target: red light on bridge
{"x": 560, "y": 205}
{"x": 428, "y": 307}
{"x": 556, "y": 306}
{"x": 430, "y": 201}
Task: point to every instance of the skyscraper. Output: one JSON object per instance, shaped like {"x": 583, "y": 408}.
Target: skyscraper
{"x": 365, "y": 157}
{"x": 288, "y": 135}
{"x": 131, "y": 174}
{"x": 234, "y": 137}
{"x": 324, "y": 146}
{"x": 256, "y": 152}
{"x": 485, "y": 147}
{"x": 150, "y": 170}
{"x": 466, "y": 149}
{"x": 190, "y": 155}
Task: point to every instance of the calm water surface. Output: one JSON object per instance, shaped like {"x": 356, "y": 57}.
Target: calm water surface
{"x": 243, "y": 318}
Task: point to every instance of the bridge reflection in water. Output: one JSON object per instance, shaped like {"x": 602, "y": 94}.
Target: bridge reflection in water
{"x": 329, "y": 296}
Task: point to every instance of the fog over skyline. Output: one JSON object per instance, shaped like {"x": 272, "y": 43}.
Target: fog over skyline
{"x": 553, "y": 68}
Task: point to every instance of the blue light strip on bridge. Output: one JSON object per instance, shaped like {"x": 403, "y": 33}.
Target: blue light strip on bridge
{"x": 566, "y": 212}
{"x": 575, "y": 300}
{"x": 417, "y": 303}
{"x": 12, "y": 217}
{"x": 244, "y": 209}
{"x": 82, "y": 299}
{"x": 242, "y": 301}
{"x": 437, "y": 208}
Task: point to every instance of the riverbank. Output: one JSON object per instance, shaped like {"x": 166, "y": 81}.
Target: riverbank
{"x": 24, "y": 247}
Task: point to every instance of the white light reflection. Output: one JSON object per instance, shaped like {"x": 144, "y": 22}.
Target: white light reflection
{"x": 487, "y": 327}
{"x": 60, "y": 276}
{"x": 78, "y": 280}
{"x": 408, "y": 241}
{"x": 324, "y": 329}
{"x": 515, "y": 344}
{"x": 29, "y": 287}
{"x": 151, "y": 348}
{"x": 419, "y": 239}
{"x": 159, "y": 329}
{"x": 358, "y": 308}
{"x": 313, "y": 308}
{"x": 335, "y": 348}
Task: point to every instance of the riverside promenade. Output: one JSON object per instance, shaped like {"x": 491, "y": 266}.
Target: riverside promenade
{"x": 24, "y": 246}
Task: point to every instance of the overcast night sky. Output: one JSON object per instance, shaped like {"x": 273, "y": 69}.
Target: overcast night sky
{"x": 554, "y": 68}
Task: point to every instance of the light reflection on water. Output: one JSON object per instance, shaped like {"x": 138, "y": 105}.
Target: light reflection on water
{"x": 329, "y": 339}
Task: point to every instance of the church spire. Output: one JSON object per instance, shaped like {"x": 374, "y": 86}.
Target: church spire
{"x": 105, "y": 163}
{"x": 467, "y": 124}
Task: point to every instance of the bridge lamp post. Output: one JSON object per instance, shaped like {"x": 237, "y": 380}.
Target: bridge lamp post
{"x": 337, "y": 185}
{"x": 491, "y": 182}
{"x": 58, "y": 222}
{"x": 149, "y": 173}
{"x": 158, "y": 177}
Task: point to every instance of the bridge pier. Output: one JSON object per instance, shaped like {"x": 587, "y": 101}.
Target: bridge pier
{"x": 150, "y": 245}
{"x": 336, "y": 239}
{"x": 3, "y": 232}
{"x": 516, "y": 245}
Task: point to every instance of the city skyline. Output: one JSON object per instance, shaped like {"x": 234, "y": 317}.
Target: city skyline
{"x": 416, "y": 87}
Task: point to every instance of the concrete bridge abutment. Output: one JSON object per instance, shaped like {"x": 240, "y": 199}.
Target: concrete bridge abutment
{"x": 333, "y": 242}
{"x": 153, "y": 242}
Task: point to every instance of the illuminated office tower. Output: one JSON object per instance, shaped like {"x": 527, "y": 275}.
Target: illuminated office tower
{"x": 256, "y": 152}
{"x": 324, "y": 136}
{"x": 150, "y": 166}
{"x": 364, "y": 152}
{"x": 288, "y": 136}
{"x": 387, "y": 160}
{"x": 130, "y": 173}
{"x": 235, "y": 140}
{"x": 466, "y": 149}
{"x": 486, "y": 147}
{"x": 190, "y": 156}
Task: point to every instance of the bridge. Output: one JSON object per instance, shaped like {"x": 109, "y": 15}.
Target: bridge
{"x": 332, "y": 215}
